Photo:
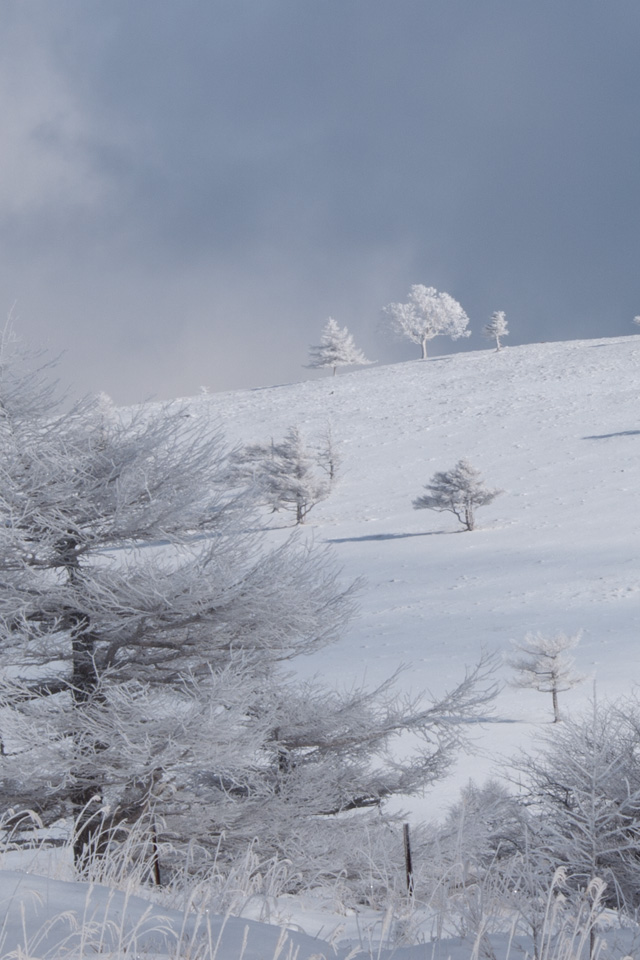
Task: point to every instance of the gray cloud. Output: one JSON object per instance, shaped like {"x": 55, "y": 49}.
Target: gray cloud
{"x": 188, "y": 190}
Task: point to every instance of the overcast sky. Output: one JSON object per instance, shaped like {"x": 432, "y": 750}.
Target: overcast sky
{"x": 189, "y": 188}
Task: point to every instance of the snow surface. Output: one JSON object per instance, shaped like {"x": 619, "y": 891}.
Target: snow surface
{"x": 557, "y": 426}
{"x": 44, "y": 917}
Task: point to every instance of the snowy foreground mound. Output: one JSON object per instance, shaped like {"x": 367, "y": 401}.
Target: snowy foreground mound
{"x": 51, "y": 918}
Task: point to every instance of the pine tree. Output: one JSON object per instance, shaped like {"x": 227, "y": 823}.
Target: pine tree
{"x": 284, "y": 473}
{"x": 458, "y": 491}
{"x": 496, "y": 328}
{"x": 428, "y": 314}
{"x": 546, "y": 665}
{"x": 336, "y": 349}
{"x": 290, "y": 477}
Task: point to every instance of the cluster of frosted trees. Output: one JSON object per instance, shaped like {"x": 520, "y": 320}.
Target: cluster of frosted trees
{"x": 146, "y": 637}
{"x": 427, "y": 314}
{"x": 558, "y": 851}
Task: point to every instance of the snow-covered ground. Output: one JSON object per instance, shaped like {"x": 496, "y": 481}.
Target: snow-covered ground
{"x": 557, "y": 427}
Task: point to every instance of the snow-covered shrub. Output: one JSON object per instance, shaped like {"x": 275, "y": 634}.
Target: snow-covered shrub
{"x": 583, "y": 790}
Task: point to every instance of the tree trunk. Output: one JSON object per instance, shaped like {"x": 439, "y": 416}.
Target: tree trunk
{"x": 90, "y": 836}
{"x": 556, "y": 710}
{"x": 423, "y": 344}
{"x": 469, "y": 519}
{"x": 86, "y": 799}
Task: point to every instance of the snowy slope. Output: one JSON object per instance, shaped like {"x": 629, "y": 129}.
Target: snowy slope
{"x": 557, "y": 426}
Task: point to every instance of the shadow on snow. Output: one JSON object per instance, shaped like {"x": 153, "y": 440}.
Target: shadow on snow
{"x": 387, "y": 536}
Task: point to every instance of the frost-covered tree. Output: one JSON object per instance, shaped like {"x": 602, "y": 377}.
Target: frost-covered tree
{"x": 291, "y": 478}
{"x": 496, "y": 328}
{"x": 145, "y": 634}
{"x": 92, "y": 606}
{"x": 584, "y": 787}
{"x": 336, "y": 349}
{"x": 284, "y": 473}
{"x": 329, "y": 457}
{"x": 490, "y": 857}
{"x": 427, "y": 314}
{"x": 636, "y": 320}
{"x": 459, "y": 491}
{"x": 543, "y": 663}
{"x": 335, "y": 752}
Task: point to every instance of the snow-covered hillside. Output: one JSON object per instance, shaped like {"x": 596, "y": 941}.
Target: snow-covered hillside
{"x": 557, "y": 426}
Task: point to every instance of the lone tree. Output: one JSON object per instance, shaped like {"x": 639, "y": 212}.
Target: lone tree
{"x": 496, "y": 328}
{"x": 428, "y": 314}
{"x": 290, "y": 476}
{"x": 145, "y": 632}
{"x": 458, "y": 491}
{"x": 336, "y": 349}
{"x": 544, "y": 664}
{"x": 284, "y": 474}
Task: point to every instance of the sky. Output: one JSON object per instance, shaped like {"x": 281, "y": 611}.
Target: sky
{"x": 188, "y": 190}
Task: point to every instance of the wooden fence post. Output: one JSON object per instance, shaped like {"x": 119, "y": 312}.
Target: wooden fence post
{"x": 407, "y": 858}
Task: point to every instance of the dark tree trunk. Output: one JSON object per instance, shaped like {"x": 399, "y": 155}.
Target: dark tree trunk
{"x": 90, "y": 833}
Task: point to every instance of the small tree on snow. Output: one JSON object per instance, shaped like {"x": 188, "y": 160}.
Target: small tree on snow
{"x": 284, "y": 474}
{"x": 458, "y": 491}
{"x": 329, "y": 458}
{"x": 544, "y": 665}
{"x": 496, "y": 328}
{"x": 336, "y": 349}
{"x": 428, "y": 314}
{"x": 290, "y": 476}
{"x": 636, "y": 320}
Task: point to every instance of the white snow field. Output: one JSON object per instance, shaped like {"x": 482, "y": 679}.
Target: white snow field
{"x": 557, "y": 427}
